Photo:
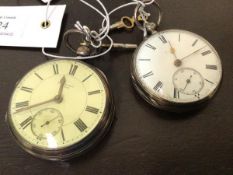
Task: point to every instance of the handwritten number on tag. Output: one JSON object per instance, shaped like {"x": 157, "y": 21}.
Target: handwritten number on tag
{"x": 4, "y": 25}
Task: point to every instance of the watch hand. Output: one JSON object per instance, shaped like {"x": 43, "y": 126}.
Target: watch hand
{"x": 172, "y": 50}
{"x": 188, "y": 81}
{"x": 57, "y": 98}
{"x": 62, "y": 82}
{"x": 192, "y": 53}
{"x": 48, "y": 122}
{"x": 54, "y": 99}
{"x": 186, "y": 86}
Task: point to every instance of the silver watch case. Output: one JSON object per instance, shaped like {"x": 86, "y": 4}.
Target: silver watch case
{"x": 159, "y": 102}
{"x": 81, "y": 147}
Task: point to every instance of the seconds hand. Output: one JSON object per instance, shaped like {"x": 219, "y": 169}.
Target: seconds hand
{"x": 48, "y": 122}
{"x": 188, "y": 81}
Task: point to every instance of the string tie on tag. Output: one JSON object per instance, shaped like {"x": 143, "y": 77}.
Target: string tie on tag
{"x": 90, "y": 36}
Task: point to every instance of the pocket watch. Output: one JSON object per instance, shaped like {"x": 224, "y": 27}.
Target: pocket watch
{"x": 60, "y": 109}
{"x": 176, "y": 70}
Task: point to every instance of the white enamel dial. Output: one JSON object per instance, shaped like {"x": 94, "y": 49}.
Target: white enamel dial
{"x": 177, "y": 66}
{"x": 57, "y": 104}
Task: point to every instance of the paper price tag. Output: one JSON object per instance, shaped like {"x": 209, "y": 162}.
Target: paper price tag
{"x": 21, "y": 26}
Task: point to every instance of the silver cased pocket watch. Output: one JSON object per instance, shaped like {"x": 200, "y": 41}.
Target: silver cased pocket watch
{"x": 176, "y": 70}
{"x": 60, "y": 109}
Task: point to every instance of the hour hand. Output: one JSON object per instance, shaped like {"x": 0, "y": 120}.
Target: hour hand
{"x": 62, "y": 84}
{"x": 172, "y": 50}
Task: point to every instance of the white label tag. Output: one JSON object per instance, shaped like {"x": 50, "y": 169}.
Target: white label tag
{"x": 21, "y": 26}
{"x": 46, "y": 1}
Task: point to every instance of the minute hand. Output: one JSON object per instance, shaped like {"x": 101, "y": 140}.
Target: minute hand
{"x": 192, "y": 53}
{"x": 54, "y": 99}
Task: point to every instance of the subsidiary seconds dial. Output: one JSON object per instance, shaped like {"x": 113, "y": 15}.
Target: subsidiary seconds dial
{"x": 46, "y": 123}
{"x": 175, "y": 68}
{"x": 188, "y": 81}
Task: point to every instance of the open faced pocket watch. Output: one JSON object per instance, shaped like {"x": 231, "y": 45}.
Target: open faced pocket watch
{"x": 175, "y": 70}
{"x": 60, "y": 109}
